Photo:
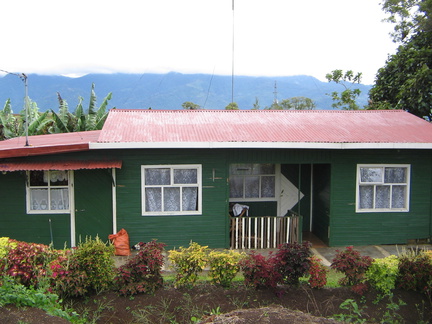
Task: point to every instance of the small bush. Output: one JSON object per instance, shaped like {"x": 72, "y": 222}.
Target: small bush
{"x": 224, "y": 266}
{"x": 353, "y": 266}
{"x": 6, "y": 244}
{"x": 67, "y": 278}
{"x": 188, "y": 263}
{"x": 415, "y": 272}
{"x": 87, "y": 268}
{"x": 292, "y": 261}
{"x": 317, "y": 273}
{"x": 382, "y": 274}
{"x": 26, "y": 262}
{"x": 259, "y": 271}
{"x": 142, "y": 273}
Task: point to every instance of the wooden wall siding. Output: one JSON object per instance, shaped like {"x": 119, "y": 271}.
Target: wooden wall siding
{"x": 16, "y": 224}
{"x": 210, "y": 228}
{"x": 93, "y": 204}
{"x": 350, "y": 228}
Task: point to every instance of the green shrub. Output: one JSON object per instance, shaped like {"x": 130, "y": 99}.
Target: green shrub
{"x": 224, "y": 266}
{"x": 259, "y": 271}
{"x": 142, "y": 273}
{"x": 292, "y": 261}
{"x": 188, "y": 263}
{"x": 415, "y": 272}
{"x": 317, "y": 273}
{"x": 5, "y": 245}
{"x": 382, "y": 274}
{"x": 86, "y": 268}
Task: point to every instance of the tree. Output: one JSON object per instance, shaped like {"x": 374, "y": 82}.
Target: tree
{"x": 256, "y": 105}
{"x": 298, "y": 103}
{"x": 347, "y": 98}
{"x": 188, "y": 105}
{"x": 232, "y": 106}
{"x": 66, "y": 122}
{"x": 405, "y": 82}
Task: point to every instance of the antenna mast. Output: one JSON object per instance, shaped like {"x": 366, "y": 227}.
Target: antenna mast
{"x": 232, "y": 58}
{"x": 275, "y": 99}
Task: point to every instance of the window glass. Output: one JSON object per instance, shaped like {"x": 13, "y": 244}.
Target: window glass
{"x": 383, "y": 188}
{"x": 252, "y": 181}
{"x": 171, "y": 190}
{"x": 48, "y": 191}
{"x": 157, "y": 177}
{"x": 185, "y": 176}
{"x": 371, "y": 174}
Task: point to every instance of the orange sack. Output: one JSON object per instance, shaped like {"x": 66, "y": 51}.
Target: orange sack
{"x": 121, "y": 242}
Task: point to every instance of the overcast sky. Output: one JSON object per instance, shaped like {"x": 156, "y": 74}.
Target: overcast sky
{"x": 271, "y": 37}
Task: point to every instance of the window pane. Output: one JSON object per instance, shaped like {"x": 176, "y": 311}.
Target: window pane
{"x": 38, "y": 178}
{"x": 398, "y": 196}
{"x": 395, "y": 175}
{"x": 39, "y": 199}
{"x": 371, "y": 174}
{"x": 59, "y": 199}
{"x": 153, "y": 199}
{"x": 58, "y": 178}
{"x": 190, "y": 198}
{"x": 171, "y": 199}
{"x": 267, "y": 168}
{"x": 366, "y": 197}
{"x": 157, "y": 177}
{"x": 268, "y": 187}
{"x": 185, "y": 176}
{"x": 251, "y": 187}
{"x": 382, "y": 199}
{"x": 241, "y": 169}
{"x": 236, "y": 187}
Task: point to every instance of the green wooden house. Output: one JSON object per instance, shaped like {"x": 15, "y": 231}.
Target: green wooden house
{"x": 354, "y": 177}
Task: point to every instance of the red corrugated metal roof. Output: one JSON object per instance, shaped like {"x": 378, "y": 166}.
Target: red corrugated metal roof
{"x": 315, "y": 126}
{"x": 58, "y": 165}
{"x": 48, "y": 144}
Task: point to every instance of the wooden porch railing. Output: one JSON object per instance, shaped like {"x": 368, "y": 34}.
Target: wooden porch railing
{"x": 264, "y": 232}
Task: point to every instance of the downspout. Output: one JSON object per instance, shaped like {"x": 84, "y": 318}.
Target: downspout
{"x": 311, "y": 199}
{"x": 114, "y": 200}
{"x": 72, "y": 211}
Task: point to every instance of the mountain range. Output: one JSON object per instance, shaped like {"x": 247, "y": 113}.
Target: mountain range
{"x": 169, "y": 91}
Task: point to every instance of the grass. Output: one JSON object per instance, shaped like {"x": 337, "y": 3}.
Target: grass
{"x": 332, "y": 278}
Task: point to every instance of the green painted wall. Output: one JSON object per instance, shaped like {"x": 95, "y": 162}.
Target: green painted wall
{"x": 210, "y": 228}
{"x": 93, "y": 198}
{"x": 16, "y": 224}
{"x": 348, "y": 227}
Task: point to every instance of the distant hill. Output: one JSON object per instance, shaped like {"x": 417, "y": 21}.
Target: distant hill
{"x": 167, "y": 91}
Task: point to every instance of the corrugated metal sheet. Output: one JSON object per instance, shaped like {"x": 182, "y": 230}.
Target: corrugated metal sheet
{"x": 379, "y": 126}
{"x": 58, "y": 165}
{"x": 48, "y": 144}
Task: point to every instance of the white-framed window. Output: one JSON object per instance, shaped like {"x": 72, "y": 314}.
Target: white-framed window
{"x": 171, "y": 189}
{"x": 48, "y": 192}
{"x": 383, "y": 188}
{"x": 253, "y": 181}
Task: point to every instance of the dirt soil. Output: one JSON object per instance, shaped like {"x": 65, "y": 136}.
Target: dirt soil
{"x": 209, "y": 304}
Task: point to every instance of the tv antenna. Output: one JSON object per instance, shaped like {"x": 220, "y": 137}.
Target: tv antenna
{"x": 275, "y": 99}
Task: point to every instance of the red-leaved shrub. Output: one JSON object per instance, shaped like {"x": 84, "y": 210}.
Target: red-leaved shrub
{"x": 142, "y": 273}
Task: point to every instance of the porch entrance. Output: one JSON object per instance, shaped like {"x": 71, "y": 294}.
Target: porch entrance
{"x": 301, "y": 190}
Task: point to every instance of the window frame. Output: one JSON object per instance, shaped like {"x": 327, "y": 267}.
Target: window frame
{"x": 69, "y": 187}
{"x": 172, "y": 167}
{"x": 407, "y": 184}
{"x": 258, "y": 199}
